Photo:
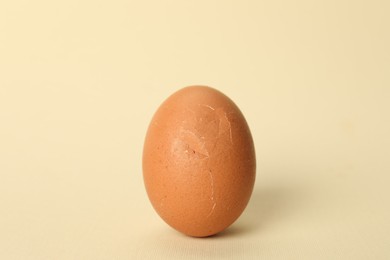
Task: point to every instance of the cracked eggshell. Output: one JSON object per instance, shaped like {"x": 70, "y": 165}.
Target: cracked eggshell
{"x": 199, "y": 161}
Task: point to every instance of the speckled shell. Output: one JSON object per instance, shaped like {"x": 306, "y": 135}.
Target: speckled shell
{"x": 199, "y": 161}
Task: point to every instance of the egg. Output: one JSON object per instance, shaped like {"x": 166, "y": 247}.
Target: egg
{"x": 199, "y": 162}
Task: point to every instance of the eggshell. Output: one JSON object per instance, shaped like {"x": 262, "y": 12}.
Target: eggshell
{"x": 199, "y": 161}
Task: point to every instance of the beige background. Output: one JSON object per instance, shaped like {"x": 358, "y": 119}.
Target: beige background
{"x": 80, "y": 80}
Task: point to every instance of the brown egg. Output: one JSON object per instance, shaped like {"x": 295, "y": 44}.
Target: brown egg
{"x": 199, "y": 161}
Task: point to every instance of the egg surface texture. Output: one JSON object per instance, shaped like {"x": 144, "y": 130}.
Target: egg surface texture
{"x": 199, "y": 162}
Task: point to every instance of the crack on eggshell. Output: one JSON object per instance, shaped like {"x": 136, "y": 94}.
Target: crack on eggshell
{"x": 208, "y": 106}
{"x": 224, "y": 125}
{"x": 208, "y": 134}
{"x": 212, "y": 195}
{"x": 194, "y": 142}
{"x": 224, "y": 122}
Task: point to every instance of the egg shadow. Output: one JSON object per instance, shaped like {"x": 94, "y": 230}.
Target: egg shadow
{"x": 268, "y": 206}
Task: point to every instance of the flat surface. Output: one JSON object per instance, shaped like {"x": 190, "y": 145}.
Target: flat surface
{"x": 80, "y": 81}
